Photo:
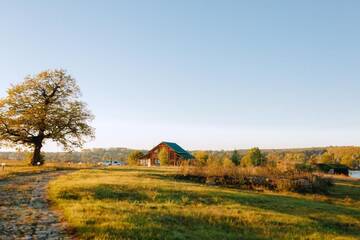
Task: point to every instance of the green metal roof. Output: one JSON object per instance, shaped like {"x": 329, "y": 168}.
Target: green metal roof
{"x": 179, "y": 150}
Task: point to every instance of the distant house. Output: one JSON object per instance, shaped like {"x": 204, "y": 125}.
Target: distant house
{"x": 176, "y": 155}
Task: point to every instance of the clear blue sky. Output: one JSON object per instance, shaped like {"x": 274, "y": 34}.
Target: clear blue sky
{"x": 205, "y": 74}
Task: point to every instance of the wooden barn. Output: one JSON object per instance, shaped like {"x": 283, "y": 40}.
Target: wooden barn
{"x": 176, "y": 155}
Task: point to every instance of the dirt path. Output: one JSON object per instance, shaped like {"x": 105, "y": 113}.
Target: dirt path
{"x": 24, "y": 211}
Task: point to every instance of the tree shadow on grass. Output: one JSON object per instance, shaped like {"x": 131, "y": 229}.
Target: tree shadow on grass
{"x": 157, "y": 225}
{"x": 118, "y": 192}
{"x": 324, "y": 215}
{"x": 348, "y": 189}
{"x": 161, "y": 176}
{"x": 104, "y": 192}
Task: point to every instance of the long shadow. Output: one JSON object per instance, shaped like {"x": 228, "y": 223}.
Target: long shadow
{"x": 348, "y": 189}
{"x": 114, "y": 192}
{"x": 30, "y": 174}
{"x": 156, "y": 225}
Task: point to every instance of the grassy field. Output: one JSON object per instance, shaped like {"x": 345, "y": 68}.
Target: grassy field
{"x": 13, "y": 167}
{"x": 141, "y": 203}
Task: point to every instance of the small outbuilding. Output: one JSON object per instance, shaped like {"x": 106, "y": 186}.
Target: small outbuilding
{"x": 176, "y": 155}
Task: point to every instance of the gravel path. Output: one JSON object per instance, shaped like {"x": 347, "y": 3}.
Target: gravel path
{"x": 24, "y": 211}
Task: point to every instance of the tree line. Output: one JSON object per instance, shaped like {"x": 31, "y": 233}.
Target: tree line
{"x": 349, "y": 156}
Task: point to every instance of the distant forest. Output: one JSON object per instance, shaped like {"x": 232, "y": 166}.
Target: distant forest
{"x": 349, "y": 156}
{"x": 101, "y": 154}
{"x": 86, "y": 155}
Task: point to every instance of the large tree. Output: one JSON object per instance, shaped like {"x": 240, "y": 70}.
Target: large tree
{"x": 44, "y": 107}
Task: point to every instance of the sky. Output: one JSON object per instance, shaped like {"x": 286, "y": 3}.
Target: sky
{"x": 205, "y": 74}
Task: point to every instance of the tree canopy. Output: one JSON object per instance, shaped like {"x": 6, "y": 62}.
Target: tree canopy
{"x": 163, "y": 156}
{"x": 45, "y": 107}
{"x": 254, "y": 157}
{"x": 201, "y": 157}
{"x": 327, "y": 158}
{"x": 235, "y": 157}
{"x": 134, "y": 156}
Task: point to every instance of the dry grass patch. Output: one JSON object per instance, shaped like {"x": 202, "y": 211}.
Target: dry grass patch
{"x": 15, "y": 167}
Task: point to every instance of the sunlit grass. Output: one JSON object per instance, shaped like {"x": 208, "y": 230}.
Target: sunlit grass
{"x": 15, "y": 167}
{"x": 149, "y": 204}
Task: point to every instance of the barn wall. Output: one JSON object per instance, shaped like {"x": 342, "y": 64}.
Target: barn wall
{"x": 173, "y": 156}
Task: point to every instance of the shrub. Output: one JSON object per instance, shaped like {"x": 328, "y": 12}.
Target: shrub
{"x": 68, "y": 195}
{"x": 305, "y": 167}
{"x": 270, "y": 178}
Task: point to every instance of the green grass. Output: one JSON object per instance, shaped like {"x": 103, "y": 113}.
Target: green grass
{"x": 140, "y": 203}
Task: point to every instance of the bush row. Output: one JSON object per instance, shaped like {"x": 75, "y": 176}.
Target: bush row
{"x": 257, "y": 178}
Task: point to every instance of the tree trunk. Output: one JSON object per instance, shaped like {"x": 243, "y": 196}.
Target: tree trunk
{"x": 36, "y": 158}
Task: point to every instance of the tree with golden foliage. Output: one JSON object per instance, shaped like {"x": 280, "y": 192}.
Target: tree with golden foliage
{"x": 201, "y": 157}
{"x": 327, "y": 158}
{"x": 45, "y": 107}
{"x": 254, "y": 157}
{"x": 163, "y": 156}
{"x": 134, "y": 157}
{"x": 228, "y": 162}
